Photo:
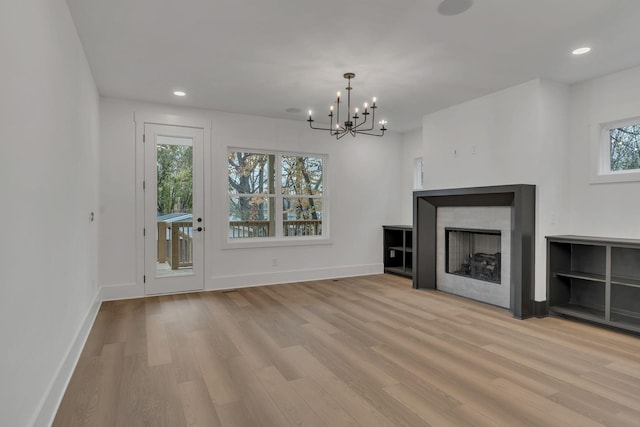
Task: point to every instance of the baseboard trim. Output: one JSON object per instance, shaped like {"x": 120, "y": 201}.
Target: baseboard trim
{"x": 291, "y": 276}
{"x": 125, "y": 291}
{"x": 540, "y": 308}
{"x": 53, "y": 397}
{"x": 132, "y": 290}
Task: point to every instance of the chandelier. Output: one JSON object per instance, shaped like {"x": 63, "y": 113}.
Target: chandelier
{"x": 354, "y": 124}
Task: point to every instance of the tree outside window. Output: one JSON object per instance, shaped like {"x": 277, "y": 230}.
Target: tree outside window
{"x": 625, "y": 148}
{"x": 175, "y": 179}
{"x": 259, "y": 193}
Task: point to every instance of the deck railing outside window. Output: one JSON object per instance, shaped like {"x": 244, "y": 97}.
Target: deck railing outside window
{"x": 174, "y": 244}
{"x": 240, "y": 229}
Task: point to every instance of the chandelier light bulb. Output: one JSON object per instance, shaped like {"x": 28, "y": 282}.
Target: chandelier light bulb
{"x": 338, "y": 94}
{"x": 331, "y": 108}
{"x": 356, "y": 110}
{"x": 366, "y": 105}
{"x": 374, "y": 99}
{"x": 309, "y": 113}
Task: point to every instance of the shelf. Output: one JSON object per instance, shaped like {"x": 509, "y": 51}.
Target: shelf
{"x": 579, "y": 311}
{"x": 398, "y": 254}
{"x": 625, "y": 281}
{"x": 398, "y": 270}
{"x": 618, "y": 319}
{"x": 573, "y": 288}
{"x": 624, "y": 319}
{"x": 581, "y": 275}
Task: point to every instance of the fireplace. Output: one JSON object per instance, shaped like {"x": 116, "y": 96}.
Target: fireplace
{"x": 429, "y": 208}
{"x": 480, "y": 262}
{"x": 473, "y": 253}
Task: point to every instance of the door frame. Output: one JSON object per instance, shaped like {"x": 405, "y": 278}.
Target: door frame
{"x": 140, "y": 119}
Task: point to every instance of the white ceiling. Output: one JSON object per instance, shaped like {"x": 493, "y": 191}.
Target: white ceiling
{"x": 262, "y": 57}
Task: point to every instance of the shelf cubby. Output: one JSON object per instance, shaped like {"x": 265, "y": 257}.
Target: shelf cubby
{"x": 595, "y": 279}
{"x": 398, "y": 249}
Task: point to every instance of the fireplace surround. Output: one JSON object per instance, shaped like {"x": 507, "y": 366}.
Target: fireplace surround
{"x": 520, "y": 198}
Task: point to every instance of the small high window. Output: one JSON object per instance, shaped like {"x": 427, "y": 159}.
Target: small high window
{"x": 418, "y": 173}
{"x": 619, "y": 151}
{"x": 624, "y": 148}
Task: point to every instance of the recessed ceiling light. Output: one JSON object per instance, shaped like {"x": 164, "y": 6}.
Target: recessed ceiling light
{"x": 581, "y": 50}
{"x": 179, "y": 93}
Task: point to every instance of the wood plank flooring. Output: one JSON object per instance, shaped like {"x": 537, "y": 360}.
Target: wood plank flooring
{"x": 365, "y": 351}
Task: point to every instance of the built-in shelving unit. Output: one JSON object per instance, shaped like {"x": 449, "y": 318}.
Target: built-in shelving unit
{"x": 398, "y": 249}
{"x": 595, "y": 279}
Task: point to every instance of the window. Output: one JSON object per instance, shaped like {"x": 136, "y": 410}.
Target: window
{"x": 418, "y": 173}
{"x": 619, "y": 151}
{"x": 264, "y": 186}
{"x": 624, "y": 145}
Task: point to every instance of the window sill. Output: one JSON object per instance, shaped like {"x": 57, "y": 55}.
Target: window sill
{"x": 614, "y": 177}
{"x": 274, "y": 243}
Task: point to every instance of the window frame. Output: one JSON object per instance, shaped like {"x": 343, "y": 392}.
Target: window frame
{"x": 601, "y": 149}
{"x": 279, "y": 239}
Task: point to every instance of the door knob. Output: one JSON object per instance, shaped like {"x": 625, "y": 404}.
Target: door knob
{"x": 199, "y": 229}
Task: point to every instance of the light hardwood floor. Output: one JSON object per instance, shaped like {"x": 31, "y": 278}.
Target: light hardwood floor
{"x": 366, "y": 351}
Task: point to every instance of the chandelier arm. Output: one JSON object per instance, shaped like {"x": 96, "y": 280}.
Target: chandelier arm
{"x": 366, "y": 129}
{"x": 370, "y": 134}
{"x": 340, "y": 135}
{"x": 373, "y": 121}
{"x": 316, "y": 128}
{"x": 337, "y": 131}
{"x": 349, "y": 100}
{"x": 373, "y": 116}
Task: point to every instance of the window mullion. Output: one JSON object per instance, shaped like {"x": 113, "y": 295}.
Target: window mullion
{"x": 278, "y": 196}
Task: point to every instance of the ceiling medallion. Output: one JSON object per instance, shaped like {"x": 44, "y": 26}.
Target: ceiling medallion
{"x": 351, "y": 126}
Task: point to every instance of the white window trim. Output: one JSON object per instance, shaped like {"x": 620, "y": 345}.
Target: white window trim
{"x": 279, "y": 240}
{"x": 601, "y": 172}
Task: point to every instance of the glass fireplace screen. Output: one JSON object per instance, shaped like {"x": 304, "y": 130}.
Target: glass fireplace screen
{"x": 473, "y": 253}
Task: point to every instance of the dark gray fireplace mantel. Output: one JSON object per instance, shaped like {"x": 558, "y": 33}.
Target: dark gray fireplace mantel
{"x": 522, "y": 200}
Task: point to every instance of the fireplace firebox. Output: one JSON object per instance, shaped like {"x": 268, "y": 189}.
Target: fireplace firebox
{"x": 473, "y": 253}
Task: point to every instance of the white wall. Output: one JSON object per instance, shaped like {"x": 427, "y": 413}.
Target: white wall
{"x": 48, "y": 175}
{"x": 411, "y": 148}
{"x": 514, "y": 136}
{"x": 362, "y": 176}
{"x": 610, "y": 209}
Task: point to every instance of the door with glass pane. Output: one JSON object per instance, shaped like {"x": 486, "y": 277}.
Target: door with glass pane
{"x": 174, "y": 209}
